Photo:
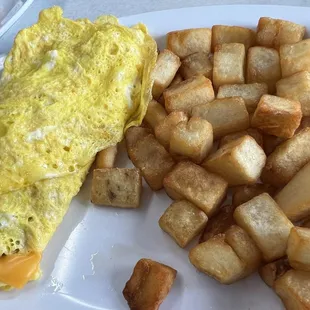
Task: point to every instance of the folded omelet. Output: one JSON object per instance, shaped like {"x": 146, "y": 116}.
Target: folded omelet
{"x": 68, "y": 90}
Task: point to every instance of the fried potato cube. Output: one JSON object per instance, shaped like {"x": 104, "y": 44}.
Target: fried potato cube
{"x": 106, "y": 157}
{"x": 273, "y": 32}
{"x": 294, "y": 198}
{"x": 251, "y": 93}
{"x": 296, "y": 87}
{"x": 155, "y": 113}
{"x": 271, "y": 143}
{"x": 164, "y": 129}
{"x": 228, "y": 64}
{"x": 266, "y": 223}
{"x": 232, "y": 34}
{"x": 298, "y": 248}
{"x": 165, "y": 69}
{"x": 294, "y": 289}
{"x": 153, "y": 160}
{"x": 189, "y": 93}
{"x": 148, "y": 285}
{"x": 135, "y": 134}
{"x": 226, "y": 115}
{"x": 192, "y": 139}
{"x": 238, "y": 162}
{"x": 204, "y": 189}
{"x": 277, "y": 116}
{"x": 197, "y": 64}
{"x": 263, "y": 66}
{"x": 218, "y": 260}
{"x": 183, "y": 221}
{"x": 117, "y": 187}
{"x": 218, "y": 223}
{"x": 274, "y": 270}
{"x": 189, "y": 41}
{"x": 295, "y": 57}
{"x": 253, "y": 132}
{"x": 287, "y": 159}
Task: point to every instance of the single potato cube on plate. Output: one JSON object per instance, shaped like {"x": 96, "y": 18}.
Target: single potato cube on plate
{"x": 148, "y": 285}
{"x": 253, "y": 132}
{"x": 189, "y": 93}
{"x": 263, "y": 66}
{"x": 226, "y": 115}
{"x": 273, "y": 32}
{"x": 228, "y": 64}
{"x": 183, "y": 221}
{"x": 117, "y": 187}
{"x": 277, "y": 116}
{"x": 192, "y": 139}
{"x": 189, "y": 41}
{"x": 266, "y": 223}
{"x": 106, "y": 157}
{"x": 155, "y": 114}
{"x": 271, "y": 143}
{"x": 135, "y": 134}
{"x": 204, "y": 189}
{"x": 238, "y": 162}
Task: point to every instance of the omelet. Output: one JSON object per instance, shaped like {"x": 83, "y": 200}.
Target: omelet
{"x": 68, "y": 90}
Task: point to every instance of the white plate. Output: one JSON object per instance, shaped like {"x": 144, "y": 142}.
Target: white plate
{"x": 94, "y": 250}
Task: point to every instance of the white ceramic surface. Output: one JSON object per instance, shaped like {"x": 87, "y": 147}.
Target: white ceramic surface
{"x": 94, "y": 250}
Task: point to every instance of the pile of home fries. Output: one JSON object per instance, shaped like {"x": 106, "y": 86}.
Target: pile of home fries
{"x": 229, "y": 116}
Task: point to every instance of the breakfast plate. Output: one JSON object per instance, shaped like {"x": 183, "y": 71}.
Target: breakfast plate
{"x": 92, "y": 254}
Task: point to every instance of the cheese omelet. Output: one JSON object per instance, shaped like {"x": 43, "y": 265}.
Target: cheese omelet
{"x": 68, "y": 90}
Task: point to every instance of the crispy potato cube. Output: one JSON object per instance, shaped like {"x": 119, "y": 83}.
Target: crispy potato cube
{"x": 266, "y": 223}
{"x": 294, "y": 198}
{"x": 183, "y": 221}
{"x": 164, "y": 129}
{"x": 263, "y": 67}
{"x": 251, "y": 93}
{"x": 228, "y": 64}
{"x": 192, "y": 139}
{"x": 218, "y": 223}
{"x": 253, "y": 132}
{"x": 226, "y": 115}
{"x": 232, "y": 34}
{"x": 273, "y": 32}
{"x": 277, "y": 116}
{"x": 153, "y": 160}
{"x": 298, "y": 248}
{"x": 135, "y": 134}
{"x": 294, "y": 289}
{"x": 155, "y": 114}
{"x": 204, "y": 189}
{"x": 165, "y": 69}
{"x": 295, "y": 57}
{"x": 296, "y": 87}
{"x": 117, "y": 187}
{"x": 106, "y": 157}
{"x": 273, "y": 271}
{"x": 148, "y": 285}
{"x": 287, "y": 159}
{"x": 189, "y": 93}
{"x": 271, "y": 143}
{"x": 197, "y": 64}
{"x": 189, "y": 41}
{"x": 218, "y": 260}
{"x": 238, "y": 162}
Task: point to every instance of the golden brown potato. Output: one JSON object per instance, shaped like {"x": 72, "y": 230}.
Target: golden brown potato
{"x": 238, "y": 162}
{"x": 253, "y": 132}
{"x": 266, "y": 223}
{"x": 287, "y": 159}
{"x": 148, "y": 285}
{"x": 192, "y": 139}
{"x": 294, "y": 289}
{"x": 273, "y": 32}
{"x": 135, "y": 134}
{"x": 204, "y": 189}
{"x": 183, "y": 221}
{"x": 155, "y": 114}
{"x": 106, "y": 157}
{"x": 226, "y": 115}
{"x": 263, "y": 66}
{"x": 277, "y": 116}
{"x": 271, "y": 143}
{"x": 296, "y": 87}
{"x": 232, "y": 34}
{"x": 189, "y": 41}
{"x": 294, "y": 198}
{"x": 228, "y": 64}
{"x": 165, "y": 69}
{"x": 251, "y": 93}
{"x": 197, "y": 64}
{"x": 189, "y": 93}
